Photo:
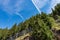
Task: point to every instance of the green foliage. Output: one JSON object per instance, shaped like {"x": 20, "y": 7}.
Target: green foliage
{"x": 48, "y": 20}
{"x": 38, "y": 25}
{"x": 40, "y": 29}
{"x": 3, "y": 34}
{"x": 13, "y": 29}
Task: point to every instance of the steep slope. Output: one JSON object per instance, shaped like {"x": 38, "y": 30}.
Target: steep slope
{"x": 38, "y": 27}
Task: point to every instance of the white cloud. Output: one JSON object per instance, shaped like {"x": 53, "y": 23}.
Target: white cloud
{"x": 5, "y": 2}
{"x": 52, "y": 5}
{"x": 12, "y": 9}
{"x": 20, "y": 15}
{"x": 41, "y": 3}
{"x": 34, "y": 2}
{"x": 18, "y": 5}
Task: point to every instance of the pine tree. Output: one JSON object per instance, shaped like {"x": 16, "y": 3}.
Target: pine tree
{"x": 56, "y": 11}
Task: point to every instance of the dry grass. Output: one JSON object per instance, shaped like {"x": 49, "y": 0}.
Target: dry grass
{"x": 22, "y": 37}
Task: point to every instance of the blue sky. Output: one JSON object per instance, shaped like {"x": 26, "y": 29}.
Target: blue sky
{"x": 16, "y": 11}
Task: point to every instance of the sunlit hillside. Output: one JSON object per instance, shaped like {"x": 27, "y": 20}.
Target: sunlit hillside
{"x": 39, "y": 27}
